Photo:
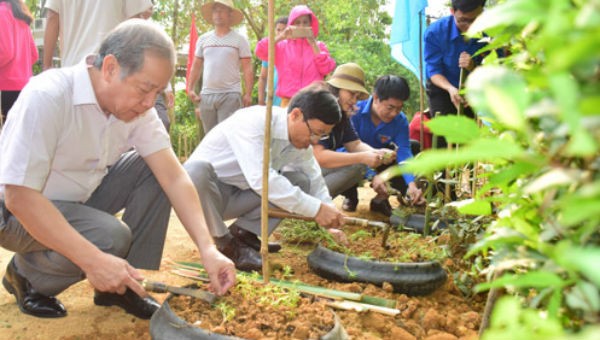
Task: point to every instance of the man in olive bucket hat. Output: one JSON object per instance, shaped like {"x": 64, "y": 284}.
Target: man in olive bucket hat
{"x": 344, "y": 170}
{"x": 219, "y": 56}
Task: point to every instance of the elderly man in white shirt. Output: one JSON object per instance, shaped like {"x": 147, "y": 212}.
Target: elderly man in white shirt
{"x": 65, "y": 171}
{"x": 227, "y": 170}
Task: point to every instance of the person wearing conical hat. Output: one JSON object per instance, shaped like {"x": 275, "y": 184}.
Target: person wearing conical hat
{"x": 220, "y": 54}
{"x": 344, "y": 170}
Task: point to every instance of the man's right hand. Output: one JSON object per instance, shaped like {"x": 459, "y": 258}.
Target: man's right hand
{"x": 114, "y": 275}
{"x": 456, "y": 98}
{"x": 194, "y": 97}
{"x": 329, "y": 216}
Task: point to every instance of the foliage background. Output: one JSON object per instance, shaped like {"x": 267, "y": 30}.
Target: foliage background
{"x": 353, "y": 30}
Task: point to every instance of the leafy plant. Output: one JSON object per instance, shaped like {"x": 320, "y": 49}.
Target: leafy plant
{"x": 185, "y": 129}
{"x": 227, "y": 311}
{"x": 541, "y": 148}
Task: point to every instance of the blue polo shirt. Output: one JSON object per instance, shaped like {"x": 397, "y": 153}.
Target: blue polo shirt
{"x": 381, "y": 135}
{"x": 443, "y": 45}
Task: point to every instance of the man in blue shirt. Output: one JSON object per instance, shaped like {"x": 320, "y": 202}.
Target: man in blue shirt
{"x": 381, "y": 123}
{"x": 446, "y": 52}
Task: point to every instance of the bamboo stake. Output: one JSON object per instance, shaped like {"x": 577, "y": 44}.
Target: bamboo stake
{"x": 361, "y": 222}
{"x": 192, "y": 270}
{"x": 264, "y": 213}
{"x": 421, "y": 89}
{"x": 429, "y": 191}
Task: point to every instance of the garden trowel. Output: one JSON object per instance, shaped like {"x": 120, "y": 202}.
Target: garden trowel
{"x": 159, "y": 287}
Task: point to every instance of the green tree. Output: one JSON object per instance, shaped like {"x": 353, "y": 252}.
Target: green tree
{"x": 353, "y": 30}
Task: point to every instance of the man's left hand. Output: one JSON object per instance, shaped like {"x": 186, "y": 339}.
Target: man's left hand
{"x": 415, "y": 194}
{"x": 220, "y": 269}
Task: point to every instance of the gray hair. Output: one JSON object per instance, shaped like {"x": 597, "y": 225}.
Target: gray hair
{"x": 129, "y": 42}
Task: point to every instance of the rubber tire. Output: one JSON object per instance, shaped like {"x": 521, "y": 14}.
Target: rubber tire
{"x": 166, "y": 325}
{"x": 415, "y": 223}
{"x": 413, "y": 279}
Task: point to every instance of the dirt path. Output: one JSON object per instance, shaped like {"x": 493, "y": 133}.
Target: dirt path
{"x": 87, "y": 321}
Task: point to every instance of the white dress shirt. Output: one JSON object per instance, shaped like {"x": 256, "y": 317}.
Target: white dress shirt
{"x": 235, "y": 149}
{"x": 57, "y": 139}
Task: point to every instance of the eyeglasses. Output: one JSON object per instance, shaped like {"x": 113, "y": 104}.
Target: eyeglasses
{"x": 315, "y": 137}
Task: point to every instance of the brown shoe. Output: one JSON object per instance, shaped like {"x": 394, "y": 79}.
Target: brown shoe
{"x": 251, "y": 239}
{"x": 243, "y": 256}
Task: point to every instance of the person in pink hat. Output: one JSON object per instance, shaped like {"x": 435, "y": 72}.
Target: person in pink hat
{"x": 299, "y": 58}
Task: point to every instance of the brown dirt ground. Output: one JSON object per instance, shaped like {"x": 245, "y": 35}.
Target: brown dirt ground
{"x": 445, "y": 314}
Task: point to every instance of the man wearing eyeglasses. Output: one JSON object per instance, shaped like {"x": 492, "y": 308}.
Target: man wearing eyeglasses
{"x": 226, "y": 169}
{"x": 446, "y": 52}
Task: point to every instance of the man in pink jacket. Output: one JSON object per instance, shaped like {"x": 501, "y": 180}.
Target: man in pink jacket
{"x": 299, "y": 58}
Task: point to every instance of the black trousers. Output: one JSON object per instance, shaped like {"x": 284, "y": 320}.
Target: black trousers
{"x": 440, "y": 102}
{"x": 8, "y": 98}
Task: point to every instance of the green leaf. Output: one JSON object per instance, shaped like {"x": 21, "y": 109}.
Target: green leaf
{"x": 501, "y": 93}
{"x": 501, "y": 238}
{"x": 508, "y": 14}
{"x": 512, "y": 172}
{"x": 533, "y": 279}
{"x": 554, "y": 177}
{"x": 456, "y": 129}
{"x": 575, "y": 211}
{"x": 582, "y": 144}
{"x": 484, "y": 149}
{"x": 585, "y": 260}
{"x": 472, "y": 207}
{"x": 584, "y": 296}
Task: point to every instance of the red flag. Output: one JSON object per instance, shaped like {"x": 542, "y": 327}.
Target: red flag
{"x": 191, "y": 50}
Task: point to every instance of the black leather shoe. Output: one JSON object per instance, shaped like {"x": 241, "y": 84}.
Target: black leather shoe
{"x": 350, "y": 204}
{"x": 251, "y": 239}
{"x": 29, "y": 301}
{"x": 244, "y": 257}
{"x": 132, "y": 303}
{"x": 381, "y": 206}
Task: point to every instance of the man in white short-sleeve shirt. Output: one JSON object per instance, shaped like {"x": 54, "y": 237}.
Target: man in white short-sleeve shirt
{"x": 82, "y": 144}
{"x": 82, "y": 25}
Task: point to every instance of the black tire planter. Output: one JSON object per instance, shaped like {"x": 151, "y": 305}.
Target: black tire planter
{"x": 416, "y": 223}
{"x": 166, "y": 325}
{"x": 412, "y": 279}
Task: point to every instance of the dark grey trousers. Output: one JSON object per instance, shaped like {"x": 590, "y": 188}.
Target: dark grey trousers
{"x": 222, "y": 201}
{"x": 340, "y": 179}
{"x": 139, "y": 236}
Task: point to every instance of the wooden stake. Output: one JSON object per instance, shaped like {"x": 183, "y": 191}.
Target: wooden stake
{"x": 264, "y": 212}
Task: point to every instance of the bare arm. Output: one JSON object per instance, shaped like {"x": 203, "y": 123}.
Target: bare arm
{"x": 357, "y": 154}
{"x": 183, "y": 197}
{"x": 48, "y": 226}
{"x": 50, "y": 37}
{"x": 248, "y": 80}
{"x": 262, "y": 84}
{"x": 195, "y": 74}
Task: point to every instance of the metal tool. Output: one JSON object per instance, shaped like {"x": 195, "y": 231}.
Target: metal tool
{"x": 363, "y": 222}
{"x": 159, "y": 287}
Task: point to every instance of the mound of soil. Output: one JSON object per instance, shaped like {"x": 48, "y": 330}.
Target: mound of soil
{"x": 253, "y": 310}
